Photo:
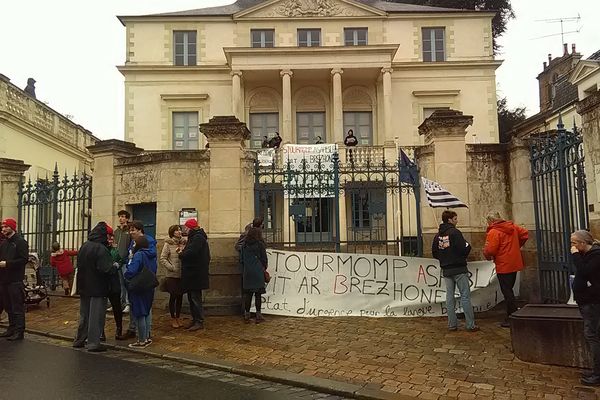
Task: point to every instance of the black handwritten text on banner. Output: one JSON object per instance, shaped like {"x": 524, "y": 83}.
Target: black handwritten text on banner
{"x": 338, "y": 284}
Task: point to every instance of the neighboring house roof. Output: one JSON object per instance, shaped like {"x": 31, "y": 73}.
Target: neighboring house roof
{"x": 595, "y": 56}
{"x": 241, "y": 5}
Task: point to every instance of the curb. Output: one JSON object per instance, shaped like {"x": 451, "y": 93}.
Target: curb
{"x": 320, "y": 385}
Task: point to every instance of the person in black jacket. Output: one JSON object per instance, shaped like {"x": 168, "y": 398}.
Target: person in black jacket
{"x": 14, "y": 254}
{"x": 451, "y": 249}
{"x": 195, "y": 259}
{"x": 586, "y": 291}
{"x": 94, "y": 269}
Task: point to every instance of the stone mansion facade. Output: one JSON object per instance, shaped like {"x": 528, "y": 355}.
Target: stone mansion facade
{"x": 307, "y": 68}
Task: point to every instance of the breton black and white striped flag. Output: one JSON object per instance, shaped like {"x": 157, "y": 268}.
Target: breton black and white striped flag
{"x": 438, "y": 197}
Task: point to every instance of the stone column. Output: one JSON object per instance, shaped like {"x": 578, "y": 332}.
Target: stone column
{"x": 105, "y": 153}
{"x": 231, "y": 208}
{"x": 11, "y": 174}
{"x": 286, "y": 81}
{"x": 236, "y": 94}
{"x": 338, "y": 108}
{"x": 387, "y": 102}
{"x": 444, "y": 160}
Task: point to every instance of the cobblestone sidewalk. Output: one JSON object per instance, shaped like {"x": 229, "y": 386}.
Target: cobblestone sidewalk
{"x": 414, "y": 357}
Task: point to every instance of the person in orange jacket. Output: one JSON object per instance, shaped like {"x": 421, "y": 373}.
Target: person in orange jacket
{"x": 503, "y": 244}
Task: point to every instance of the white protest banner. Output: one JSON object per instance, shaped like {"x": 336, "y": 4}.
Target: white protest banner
{"x": 266, "y": 157}
{"x": 318, "y": 159}
{"x": 338, "y": 284}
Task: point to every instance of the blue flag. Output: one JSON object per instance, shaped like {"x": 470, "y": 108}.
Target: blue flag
{"x": 408, "y": 169}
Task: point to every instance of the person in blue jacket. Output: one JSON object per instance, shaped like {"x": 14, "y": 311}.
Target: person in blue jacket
{"x": 141, "y": 302}
{"x": 136, "y": 229}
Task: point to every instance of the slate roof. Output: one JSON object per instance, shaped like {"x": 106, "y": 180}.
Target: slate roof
{"x": 595, "y": 56}
{"x": 240, "y": 5}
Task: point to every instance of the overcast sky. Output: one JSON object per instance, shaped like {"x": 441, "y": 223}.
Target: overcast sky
{"x": 71, "y": 47}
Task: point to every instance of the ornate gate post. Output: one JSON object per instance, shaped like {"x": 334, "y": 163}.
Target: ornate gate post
{"x": 231, "y": 207}
{"x": 11, "y": 174}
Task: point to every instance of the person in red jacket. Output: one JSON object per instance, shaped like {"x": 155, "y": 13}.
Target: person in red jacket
{"x": 503, "y": 245}
{"x": 61, "y": 260}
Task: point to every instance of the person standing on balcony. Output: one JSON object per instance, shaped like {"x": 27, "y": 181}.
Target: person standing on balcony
{"x": 503, "y": 244}
{"x": 350, "y": 141}
{"x": 585, "y": 252}
{"x": 451, "y": 249}
{"x": 265, "y": 143}
{"x": 275, "y": 141}
{"x": 14, "y": 254}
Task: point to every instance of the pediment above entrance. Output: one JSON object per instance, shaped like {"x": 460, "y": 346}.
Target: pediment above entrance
{"x": 309, "y": 9}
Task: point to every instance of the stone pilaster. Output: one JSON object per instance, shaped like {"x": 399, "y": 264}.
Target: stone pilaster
{"x": 103, "y": 183}
{"x": 11, "y": 174}
{"x": 444, "y": 160}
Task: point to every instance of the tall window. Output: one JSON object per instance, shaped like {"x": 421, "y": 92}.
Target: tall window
{"x": 310, "y": 125}
{"x": 185, "y": 47}
{"x": 185, "y": 131}
{"x": 309, "y": 37}
{"x": 361, "y": 124}
{"x": 262, "y": 37}
{"x": 355, "y": 36}
{"x": 261, "y": 125}
{"x": 434, "y": 44}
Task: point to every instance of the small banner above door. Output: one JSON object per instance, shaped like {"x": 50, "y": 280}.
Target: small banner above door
{"x": 365, "y": 285}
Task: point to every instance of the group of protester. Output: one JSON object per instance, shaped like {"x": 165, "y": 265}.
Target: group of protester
{"x": 503, "y": 244}
{"x": 121, "y": 266}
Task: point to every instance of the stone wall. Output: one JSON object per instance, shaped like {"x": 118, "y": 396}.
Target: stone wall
{"x": 589, "y": 108}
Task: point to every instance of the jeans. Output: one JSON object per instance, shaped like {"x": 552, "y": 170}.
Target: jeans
{"x": 462, "y": 281}
{"x": 13, "y": 298}
{"x": 133, "y": 323}
{"x": 92, "y": 315}
{"x": 143, "y": 327}
{"x": 507, "y": 282}
{"x": 124, "y": 297}
{"x": 195, "y": 300}
{"x": 591, "y": 332}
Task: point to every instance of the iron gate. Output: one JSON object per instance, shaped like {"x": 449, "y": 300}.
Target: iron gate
{"x": 360, "y": 204}
{"x": 56, "y": 209}
{"x": 560, "y": 202}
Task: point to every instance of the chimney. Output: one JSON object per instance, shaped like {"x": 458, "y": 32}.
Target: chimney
{"x": 573, "y": 48}
{"x": 545, "y": 65}
{"x": 565, "y": 49}
{"x": 549, "y": 58}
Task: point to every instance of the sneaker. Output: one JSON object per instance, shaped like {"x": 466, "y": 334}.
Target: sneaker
{"x": 126, "y": 309}
{"x": 195, "y": 327}
{"x": 98, "y": 349}
{"x": 148, "y": 342}
{"x": 138, "y": 345}
{"x": 109, "y": 309}
{"x": 473, "y": 329}
{"x": 452, "y": 328}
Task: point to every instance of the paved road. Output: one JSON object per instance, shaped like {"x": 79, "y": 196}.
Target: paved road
{"x": 41, "y": 368}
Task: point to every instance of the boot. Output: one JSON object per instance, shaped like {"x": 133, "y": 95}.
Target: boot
{"x": 259, "y": 317}
{"x": 247, "y": 316}
{"x": 67, "y": 291}
{"x": 119, "y": 334}
{"x": 16, "y": 336}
